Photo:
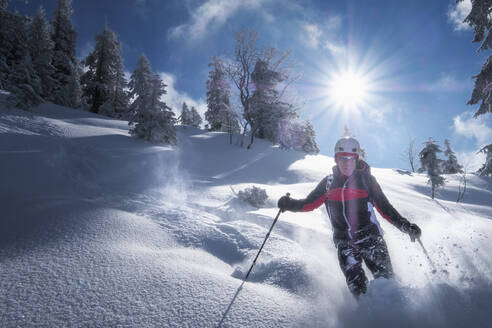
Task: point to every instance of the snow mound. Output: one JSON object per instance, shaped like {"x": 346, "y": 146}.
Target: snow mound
{"x": 281, "y": 272}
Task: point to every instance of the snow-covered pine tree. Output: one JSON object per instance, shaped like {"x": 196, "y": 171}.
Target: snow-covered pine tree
{"x": 480, "y": 20}
{"x": 451, "y": 165}
{"x": 267, "y": 108}
{"x": 185, "y": 117}
{"x": 6, "y": 50}
{"x": 17, "y": 74}
{"x": 104, "y": 80}
{"x": 196, "y": 119}
{"x": 219, "y": 114}
{"x": 310, "y": 146}
{"x": 41, "y": 51}
{"x": 64, "y": 61}
{"x": 139, "y": 85}
{"x": 24, "y": 84}
{"x": 74, "y": 89}
{"x": 486, "y": 169}
{"x": 151, "y": 118}
{"x": 118, "y": 103}
{"x": 430, "y": 162}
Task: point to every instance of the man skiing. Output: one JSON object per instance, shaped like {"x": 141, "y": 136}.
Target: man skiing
{"x": 349, "y": 200}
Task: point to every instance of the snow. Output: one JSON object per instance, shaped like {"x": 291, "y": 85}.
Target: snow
{"x": 101, "y": 229}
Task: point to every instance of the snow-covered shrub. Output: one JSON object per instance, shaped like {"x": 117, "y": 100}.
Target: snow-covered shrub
{"x": 297, "y": 136}
{"x": 254, "y": 196}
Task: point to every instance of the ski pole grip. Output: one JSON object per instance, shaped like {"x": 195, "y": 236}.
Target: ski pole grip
{"x": 287, "y": 194}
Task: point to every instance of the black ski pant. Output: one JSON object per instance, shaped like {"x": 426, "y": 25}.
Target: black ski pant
{"x": 373, "y": 251}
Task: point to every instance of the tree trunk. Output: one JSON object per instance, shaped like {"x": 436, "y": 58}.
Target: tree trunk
{"x": 243, "y": 134}
{"x": 252, "y": 139}
{"x": 461, "y": 193}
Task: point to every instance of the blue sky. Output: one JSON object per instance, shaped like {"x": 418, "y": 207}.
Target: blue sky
{"x": 413, "y": 59}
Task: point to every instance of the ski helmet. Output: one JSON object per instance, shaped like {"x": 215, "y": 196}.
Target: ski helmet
{"x": 347, "y": 146}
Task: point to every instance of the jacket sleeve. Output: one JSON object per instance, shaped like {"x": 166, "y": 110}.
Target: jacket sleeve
{"x": 384, "y": 207}
{"x": 314, "y": 200}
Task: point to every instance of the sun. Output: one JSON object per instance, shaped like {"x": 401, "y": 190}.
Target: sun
{"x": 349, "y": 90}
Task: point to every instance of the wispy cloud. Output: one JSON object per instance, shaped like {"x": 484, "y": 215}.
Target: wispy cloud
{"x": 468, "y": 126}
{"x": 381, "y": 113}
{"x": 334, "y": 47}
{"x": 457, "y": 13}
{"x": 312, "y": 34}
{"x": 320, "y": 35}
{"x": 448, "y": 83}
{"x": 471, "y": 161}
{"x": 175, "y": 99}
{"x": 213, "y": 14}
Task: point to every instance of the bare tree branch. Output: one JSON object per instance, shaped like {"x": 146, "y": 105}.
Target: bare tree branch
{"x": 410, "y": 154}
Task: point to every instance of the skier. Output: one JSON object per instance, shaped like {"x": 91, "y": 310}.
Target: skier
{"x": 349, "y": 200}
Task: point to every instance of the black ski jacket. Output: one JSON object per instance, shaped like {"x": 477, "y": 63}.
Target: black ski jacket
{"x": 349, "y": 202}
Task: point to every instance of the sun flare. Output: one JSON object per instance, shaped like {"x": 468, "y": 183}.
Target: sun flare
{"x": 349, "y": 89}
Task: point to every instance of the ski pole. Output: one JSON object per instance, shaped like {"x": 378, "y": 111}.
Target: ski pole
{"x": 251, "y": 268}
{"x": 264, "y": 241}
{"x": 434, "y": 270}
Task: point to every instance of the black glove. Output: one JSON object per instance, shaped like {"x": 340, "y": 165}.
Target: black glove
{"x": 284, "y": 203}
{"x": 414, "y": 231}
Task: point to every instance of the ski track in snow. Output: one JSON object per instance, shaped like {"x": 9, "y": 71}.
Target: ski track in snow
{"x": 100, "y": 229}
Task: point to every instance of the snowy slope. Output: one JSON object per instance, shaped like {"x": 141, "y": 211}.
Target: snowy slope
{"x": 100, "y": 229}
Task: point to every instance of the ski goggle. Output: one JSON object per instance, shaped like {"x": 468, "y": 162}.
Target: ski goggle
{"x": 344, "y": 157}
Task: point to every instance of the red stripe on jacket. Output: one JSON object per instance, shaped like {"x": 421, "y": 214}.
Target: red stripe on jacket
{"x": 382, "y": 214}
{"x": 314, "y": 205}
{"x": 349, "y": 194}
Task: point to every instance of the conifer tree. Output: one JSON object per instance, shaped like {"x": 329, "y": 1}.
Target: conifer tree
{"x": 140, "y": 82}
{"x": 480, "y": 20}
{"x": 219, "y": 114}
{"x": 196, "y": 119}
{"x": 310, "y": 146}
{"x": 151, "y": 118}
{"x": 486, "y": 169}
{"x": 64, "y": 61}
{"x": 104, "y": 81}
{"x": 430, "y": 163}
{"x": 6, "y": 50}
{"x": 267, "y": 108}
{"x": 17, "y": 74}
{"x": 41, "y": 51}
{"x": 451, "y": 165}
{"x": 186, "y": 116}
{"x": 118, "y": 103}
{"x": 74, "y": 89}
